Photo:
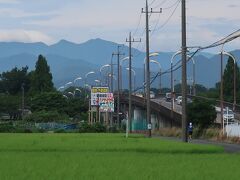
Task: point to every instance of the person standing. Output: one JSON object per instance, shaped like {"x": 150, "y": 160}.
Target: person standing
{"x": 190, "y": 131}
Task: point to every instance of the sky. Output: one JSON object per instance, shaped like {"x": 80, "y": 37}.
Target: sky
{"x": 49, "y": 21}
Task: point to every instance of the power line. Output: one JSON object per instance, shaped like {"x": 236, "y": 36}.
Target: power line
{"x": 169, "y": 18}
{"x": 225, "y": 40}
{"x": 160, "y": 4}
{"x": 138, "y": 25}
{"x": 152, "y": 2}
{"x": 171, "y": 6}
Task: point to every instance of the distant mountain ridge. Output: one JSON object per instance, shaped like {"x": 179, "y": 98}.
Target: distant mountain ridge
{"x": 69, "y": 60}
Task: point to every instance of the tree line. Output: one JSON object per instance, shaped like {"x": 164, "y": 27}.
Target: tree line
{"x": 35, "y": 91}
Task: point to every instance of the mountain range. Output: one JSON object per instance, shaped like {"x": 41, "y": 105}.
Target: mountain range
{"x": 69, "y": 60}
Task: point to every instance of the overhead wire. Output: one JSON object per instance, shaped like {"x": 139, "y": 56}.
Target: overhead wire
{"x": 169, "y": 18}
{"x": 151, "y": 3}
{"x": 160, "y": 4}
{"x": 225, "y": 40}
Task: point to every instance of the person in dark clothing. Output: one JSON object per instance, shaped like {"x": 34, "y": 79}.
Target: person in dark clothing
{"x": 190, "y": 131}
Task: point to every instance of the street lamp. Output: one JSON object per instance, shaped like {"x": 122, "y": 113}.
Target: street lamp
{"x": 121, "y": 62}
{"x": 234, "y": 77}
{"x": 172, "y": 83}
{"x": 79, "y": 90}
{"x": 147, "y": 69}
{"x": 62, "y": 87}
{"x": 172, "y": 86}
{"x": 75, "y": 80}
{"x": 160, "y": 72}
{"x": 71, "y": 93}
{"x": 68, "y": 84}
{"x": 65, "y": 96}
{"x": 144, "y": 71}
{"x": 101, "y": 68}
{"x": 86, "y": 76}
{"x": 134, "y": 80}
{"x": 97, "y": 82}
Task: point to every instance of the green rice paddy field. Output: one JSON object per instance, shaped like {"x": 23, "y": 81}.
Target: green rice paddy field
{"x": 111, "y": 156}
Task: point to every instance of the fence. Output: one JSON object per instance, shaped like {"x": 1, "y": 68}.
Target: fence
{"x": 233, "y": 130}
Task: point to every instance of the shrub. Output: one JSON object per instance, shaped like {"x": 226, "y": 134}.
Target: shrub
{"x": 99, "y": 128}
{"x": 95, "y": 128}
{"x": 60, "y": 131}
{"x": 212, "y": 133}
{"x": 46, "y": 116}
{"x": 169, "y": 132}
{"x": 201, "y": 113}
{"x": 7, "y": 128}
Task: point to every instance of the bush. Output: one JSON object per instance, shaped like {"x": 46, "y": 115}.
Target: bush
{"x": 7, "y": 128}
{"x": 212, "y": 133}
{"x": 169, "y": 132}
{"x": 201, "y": 113}
{"x": 60, "y": 131}
{"x": 99, "y": 128}
{"x": 46, "y": 116}
{"x": 114, "y": 129}
{"x": 95, "y": 128}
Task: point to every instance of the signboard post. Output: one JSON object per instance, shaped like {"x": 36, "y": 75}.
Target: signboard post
{"x": 102, "y": 99}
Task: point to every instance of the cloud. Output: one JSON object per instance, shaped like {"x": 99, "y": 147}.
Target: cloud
{"x": 18, "y": 13}
{"x": 9, "y": 2}
{"x": 21, "y": 35}
{"x": 233, "y": 6}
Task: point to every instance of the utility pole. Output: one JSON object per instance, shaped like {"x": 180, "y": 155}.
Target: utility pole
{"x": 118, "y": 54}
{"x": 130, "y": 40}
{"x": 148, "y": 68}
{"x": 23, "y": 103}
{"x": 111, "y": 89}
{"x": 184, "y": 73}
{"x": 111, "y": 81}
{"x": 221, "y": 92}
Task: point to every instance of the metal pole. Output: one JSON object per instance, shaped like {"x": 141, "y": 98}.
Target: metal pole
{"x": 89, "y": 111}
{"x": 118, "y": 87}
{"x": 235, "y": 87}
{"x": 121, "y": 89}
{"x": 160, "y": 80}
{"x": 147, "y": 62}
{"x": 134, "y": 82}
{"x": 144, "y": 78}
{"x": 111, "y": 82}
{"x": 130, "y": 83}
{"x": 184, "y": 72}
{"x": 221, "y": 91}
{"x": 148, "y": 74}
{"x": 130, "y": 79}
{"x": 194, "y": 78}
{"x": 23, "y": 103}
{"x": 234, "y": 78}
{"x": 112, "y": 74}
{"x": 172, "y": 100}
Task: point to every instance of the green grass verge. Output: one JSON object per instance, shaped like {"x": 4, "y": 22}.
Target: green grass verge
{"x": 110, "y": 156}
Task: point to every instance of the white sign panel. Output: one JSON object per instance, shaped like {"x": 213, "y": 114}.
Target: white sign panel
{"x": 106, "y": 104}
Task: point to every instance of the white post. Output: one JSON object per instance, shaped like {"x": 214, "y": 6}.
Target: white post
{"x": 127, "y": 126}
{"x": 227, "y": 121}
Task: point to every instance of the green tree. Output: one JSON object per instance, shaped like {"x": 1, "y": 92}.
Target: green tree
{"x": 48, "y": 101}
{"x": 12, "y": 81}
{"x": 202, "y": 113}
{"x": 228, "y": 80}
{"x": 10, "y": 105}
{"x": 75, "y": 107}
{"x": 41, "y": 78}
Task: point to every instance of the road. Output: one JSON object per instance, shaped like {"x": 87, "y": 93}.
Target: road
{"x": 163, "y": 102}
{"x": 178, "y": 108}
{"x": 228, "y": 148}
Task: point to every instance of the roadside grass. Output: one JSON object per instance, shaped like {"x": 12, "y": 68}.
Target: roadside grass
{"x": 111, "y": 156}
